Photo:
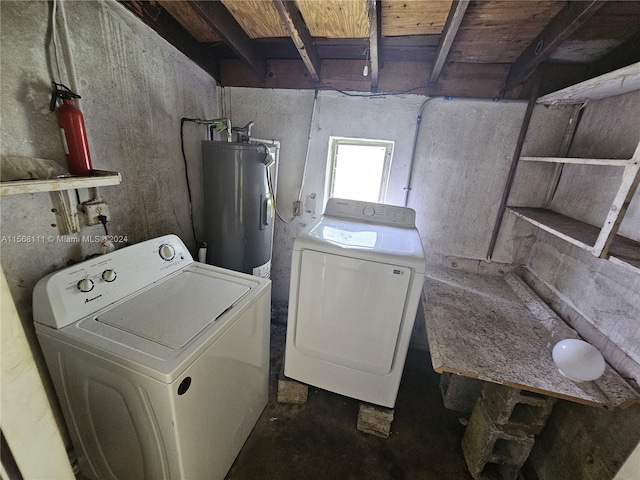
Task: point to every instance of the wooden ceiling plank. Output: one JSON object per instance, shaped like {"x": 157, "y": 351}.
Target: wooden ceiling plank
{"x": 335, "y": 18}
{"x": 487, "y": 31}
{"x": 403, "y": 17}
{"x": 625, "y": 54}
{"x": 373, "y": 12}
{"x": 615, "y": 20}
{"x": 456, "y": 14}
{"x": 190, "y": 20}
{"x": 300, "y": 35}
{"x": 559, "y": 29}
{"x": 173, "y": 32}
{"x": 221, "y": 20}
{"x": 258, "y": 18}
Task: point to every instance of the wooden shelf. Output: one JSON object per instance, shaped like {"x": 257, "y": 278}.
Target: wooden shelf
{"x": 623, "y": 251}
{"x": 623, "y": 80}
{"x": 99, "y": 178}
{"x": 602, "y": 242}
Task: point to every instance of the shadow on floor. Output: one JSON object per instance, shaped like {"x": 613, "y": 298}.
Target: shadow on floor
{"x": 319, "y": 440}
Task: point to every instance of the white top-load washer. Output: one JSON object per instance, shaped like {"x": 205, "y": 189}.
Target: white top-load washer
{"x": 356, "y": 279}
{"x": 160, "y": 363}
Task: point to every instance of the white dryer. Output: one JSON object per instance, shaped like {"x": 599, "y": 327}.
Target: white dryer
{"x": 160, "y": 363}
{"x": 356, "y": 279}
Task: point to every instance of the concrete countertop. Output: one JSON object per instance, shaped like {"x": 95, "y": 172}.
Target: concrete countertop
{"x": 496, "y": 329}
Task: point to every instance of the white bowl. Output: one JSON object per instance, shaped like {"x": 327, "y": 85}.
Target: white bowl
{"x": 577, "y": 360}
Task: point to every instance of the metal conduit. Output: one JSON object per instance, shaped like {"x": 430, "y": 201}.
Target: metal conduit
{"x": 408, "y": 188}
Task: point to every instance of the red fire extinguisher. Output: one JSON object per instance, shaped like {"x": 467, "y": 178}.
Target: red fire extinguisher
{"x": 72, "y": 130}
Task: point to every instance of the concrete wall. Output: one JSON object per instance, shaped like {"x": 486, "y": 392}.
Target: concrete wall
{"x": 462, "y": 159}
{"x": 462, "y": 163}
{"x": 599, "y": 299}
{"x": 135, "y": 87}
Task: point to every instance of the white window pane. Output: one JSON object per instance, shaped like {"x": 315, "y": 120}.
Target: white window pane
{"x": 358, "y": 172}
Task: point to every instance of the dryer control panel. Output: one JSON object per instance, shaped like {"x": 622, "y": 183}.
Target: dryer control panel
{"x": 68, "y": 295}
{"x": 378, "y": 213}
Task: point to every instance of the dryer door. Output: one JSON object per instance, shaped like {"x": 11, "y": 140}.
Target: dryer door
{"x": 350, "y": 311}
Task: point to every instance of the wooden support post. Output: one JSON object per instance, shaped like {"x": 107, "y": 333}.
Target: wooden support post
{"x": 567, "y": 139}
{"x": 514, "y": 165}
{"x": 628, "y": 186}
{"x": 375, "y": 17}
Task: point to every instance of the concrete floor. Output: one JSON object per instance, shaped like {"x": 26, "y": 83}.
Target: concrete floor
{"x": 319, "y": 440}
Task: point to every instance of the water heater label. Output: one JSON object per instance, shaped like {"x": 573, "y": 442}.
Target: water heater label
{"x": 263, "y": 271}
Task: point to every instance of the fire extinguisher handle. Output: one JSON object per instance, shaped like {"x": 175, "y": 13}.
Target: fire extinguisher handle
{"x": 54, "y": 98}
{"x": 60, "y": 91}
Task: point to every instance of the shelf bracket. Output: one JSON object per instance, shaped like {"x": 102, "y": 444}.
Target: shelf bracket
{"x": 66, "y": 210}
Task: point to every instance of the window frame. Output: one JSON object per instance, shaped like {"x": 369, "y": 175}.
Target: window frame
{"x": 334, "y": 144}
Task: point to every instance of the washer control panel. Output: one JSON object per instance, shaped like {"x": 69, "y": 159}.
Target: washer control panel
{"x": 379, "y": 213}
{"x": 167, "y": 252}
{"x": 68, "y": 295}
{"x": 85, "y": 285}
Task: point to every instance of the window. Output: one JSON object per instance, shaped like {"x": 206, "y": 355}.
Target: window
{"x": 358, "y": 169}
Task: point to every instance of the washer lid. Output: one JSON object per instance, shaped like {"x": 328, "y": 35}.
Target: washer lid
{"x": 175, "y": 311}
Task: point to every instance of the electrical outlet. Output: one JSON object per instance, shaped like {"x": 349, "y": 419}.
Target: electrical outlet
{"x": 297, "y": 208}
{"x": 93, "y": 210}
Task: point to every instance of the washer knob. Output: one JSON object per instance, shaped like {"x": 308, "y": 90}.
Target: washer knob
{"x": 109, "y": 275}
{"x": 369, "y": 211}
{"x": 85, "y": 285}
{"x": 167, "y": 252}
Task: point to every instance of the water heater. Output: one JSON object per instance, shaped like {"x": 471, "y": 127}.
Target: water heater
{"x": 238, "y": 206}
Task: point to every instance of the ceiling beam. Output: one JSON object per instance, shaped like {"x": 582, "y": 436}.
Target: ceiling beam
{"x": 168, "y": 28}
{"x": 456, "y": 14}
{"x": 417, "y": 48}
{"x": 374, "y": 12}
{"x": 299, "y": 33}
{"x": 478, "y": 80}
{"x": 221, "y": 20}
{"x": 561, "y": 27}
